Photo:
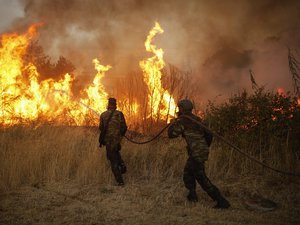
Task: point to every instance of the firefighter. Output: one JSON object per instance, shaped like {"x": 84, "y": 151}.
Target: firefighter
{"x": 112, "y": 128}
{"x": 198, "y": 141}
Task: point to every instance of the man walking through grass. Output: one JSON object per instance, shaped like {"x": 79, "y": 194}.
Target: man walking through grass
{"x": 198, "y": 141}
{"x": 112, "y": 128}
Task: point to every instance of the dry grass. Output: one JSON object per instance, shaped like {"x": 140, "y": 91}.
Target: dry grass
{"x": 57, "y": 175}
{"x": 57, "y": 154}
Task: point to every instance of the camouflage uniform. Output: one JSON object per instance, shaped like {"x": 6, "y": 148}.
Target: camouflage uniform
{"x": 115, "y": 131}
{"x": 198, "y": 150}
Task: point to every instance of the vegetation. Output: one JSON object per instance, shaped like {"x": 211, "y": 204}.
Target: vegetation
{"x": 264, "y": 124}
{"x": 59, "y": 175}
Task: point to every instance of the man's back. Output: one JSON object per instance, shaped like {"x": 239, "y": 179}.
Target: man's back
{"x": 194, "y": 136}
{"x": 116, "y": 127}
{"x": 113, "y": 128}
{"x": 198, "y": 139}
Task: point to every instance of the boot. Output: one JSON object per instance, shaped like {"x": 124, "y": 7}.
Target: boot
{"x": 192, "y": 196}
{"x": 121, "y": 184}
{"x": 222, "y": 203}
{"x": 120, "y": 181}
{"x": 118, "y": 175}
{"x": 122, "y": 167}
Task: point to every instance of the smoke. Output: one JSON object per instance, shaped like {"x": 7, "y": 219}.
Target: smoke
{"x": 218, "y": 40}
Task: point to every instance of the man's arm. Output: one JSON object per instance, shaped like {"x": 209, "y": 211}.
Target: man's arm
{"x": 123, "y": 125}
{"x": 175, "y": 129}
{"x": 208, "y": 135}
{"x": 101, "y": 128}
{"x": 101, "y": 124}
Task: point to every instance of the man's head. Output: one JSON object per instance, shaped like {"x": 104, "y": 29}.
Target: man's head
{"x": 112, "y": 103}
{"x": 185, "y": 106}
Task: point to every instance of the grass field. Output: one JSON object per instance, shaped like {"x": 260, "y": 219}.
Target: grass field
{"x": 58, "y": 175}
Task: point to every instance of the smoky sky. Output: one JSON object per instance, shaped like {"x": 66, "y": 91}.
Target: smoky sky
{"x": 9, "y": 10}
{"x": 219, "y": 41}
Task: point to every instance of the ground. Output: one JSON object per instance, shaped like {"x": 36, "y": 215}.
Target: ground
{"x": 136, "y": 203}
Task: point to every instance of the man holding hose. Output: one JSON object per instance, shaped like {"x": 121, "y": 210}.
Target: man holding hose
{"x": 113, "y": 127}
{"x": 198, "y": 141}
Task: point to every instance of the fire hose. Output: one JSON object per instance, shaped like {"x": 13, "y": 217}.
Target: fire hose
{"x": 205, "y": 127}
{"x": 239, "y": 150}
{"x": 150, "y": 140}
{"x": 222, "y": 139}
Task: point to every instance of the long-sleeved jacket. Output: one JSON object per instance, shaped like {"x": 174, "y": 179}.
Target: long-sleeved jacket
{"x": 194, "y": 136}
{"x": 116, "y": 127}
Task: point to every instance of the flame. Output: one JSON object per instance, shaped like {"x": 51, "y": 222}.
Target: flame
{"x": 96, "y": 94}
{"x": 24, "y": 99}
{"x": 281, "y": 109}
{"x": 160, "y": 102}
{"x": 15, "y": 95}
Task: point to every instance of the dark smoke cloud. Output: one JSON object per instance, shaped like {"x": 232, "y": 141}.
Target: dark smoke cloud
{"x": 218, "y": 40}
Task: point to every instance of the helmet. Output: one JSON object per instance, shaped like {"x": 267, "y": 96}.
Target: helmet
{"x": 185, "y": 105}
{"x": 112, "y": 103}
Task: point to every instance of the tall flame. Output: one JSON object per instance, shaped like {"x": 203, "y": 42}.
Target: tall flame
{"x": 160, "y": 102}
{"x": 15, "y": 94}
{"x": 96, "y": 94}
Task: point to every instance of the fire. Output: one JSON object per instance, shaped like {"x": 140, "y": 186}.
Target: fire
{"x": 160, "y": 102}
{"x": 24, "y": 99}
{"x": 281, "y": 109}
{"x": 96, "y": 94}
{"x": 14, "y": 89}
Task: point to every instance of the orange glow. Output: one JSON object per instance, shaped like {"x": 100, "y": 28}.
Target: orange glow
{"x": 25, "y": 99}
{"x": 160, "y": 102}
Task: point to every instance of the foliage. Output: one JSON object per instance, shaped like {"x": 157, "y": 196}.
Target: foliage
{"x": 265, "y": 124}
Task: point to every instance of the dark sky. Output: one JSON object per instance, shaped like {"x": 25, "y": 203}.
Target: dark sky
{"x": 219, "y": 41}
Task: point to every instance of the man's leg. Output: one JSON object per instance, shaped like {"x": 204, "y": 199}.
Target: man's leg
{"x": 121, "y": 164}
{"x": 113, "y": 156}
{"x": 211, "y": 190}
{"x": 189, "y": 181}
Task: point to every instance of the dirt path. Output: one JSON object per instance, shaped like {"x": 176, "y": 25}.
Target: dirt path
{"x": 133, "y": 204}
